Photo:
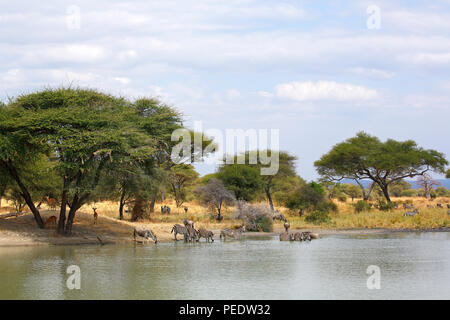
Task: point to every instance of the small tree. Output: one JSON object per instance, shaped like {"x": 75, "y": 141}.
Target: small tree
{"x": 351, "y": 190}
{"x": 243, "y": 180}
{"x": 179, "y": 177}
{"x": 215, "y": 195}
{"x": 427, "y": 183}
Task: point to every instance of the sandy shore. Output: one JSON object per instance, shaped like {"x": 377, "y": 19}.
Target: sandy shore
{"x": 22, "y": 231}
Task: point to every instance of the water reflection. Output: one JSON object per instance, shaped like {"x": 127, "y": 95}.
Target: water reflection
{"x": 413, "y": 266}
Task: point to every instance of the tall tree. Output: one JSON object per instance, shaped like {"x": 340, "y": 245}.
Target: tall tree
{"x": 215, "y": 195}
{"x": 179, "y": 178}
{"x": 243, "y": 180}
{"x": 427, "y": 183}
{"x": 366, "y": 157}
{"x": 83, "y": 130}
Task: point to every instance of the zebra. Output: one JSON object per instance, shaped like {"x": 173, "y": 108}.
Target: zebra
{"x": 287, "y": 226}
{"x": 297, "y": 236}
{"x": 279, "y": 217}
{"x": 192, "y": 233}
{"x": 429, "y": 206}
{"x": 145, "y": 233}
{"x": 411, "y": 213}
{"x": 306, "y": 236}
{"x": 235, "y": 234}
{"x": 208, "y": 235}
{"x": 406, "y": 206}
{"x": 179, "y": 229}
{"x": 439, "y": 205}
{"x": 284, "y": 236}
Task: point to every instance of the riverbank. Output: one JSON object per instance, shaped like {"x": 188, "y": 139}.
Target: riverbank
{"x": 22, "y": 231}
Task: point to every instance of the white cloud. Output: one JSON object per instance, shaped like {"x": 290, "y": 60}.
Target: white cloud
{"x": 372, "y": 73}
{"x": 324, "y": 90}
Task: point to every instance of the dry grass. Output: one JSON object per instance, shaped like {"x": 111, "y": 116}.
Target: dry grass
{"x": 347, "y": 218}
{"x": 22, "y": 230}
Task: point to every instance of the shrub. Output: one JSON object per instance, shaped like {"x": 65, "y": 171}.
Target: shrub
{"x": 342, "y": 198}
{"x": 327, "y": 206}
{"x": 256, "y": 217}
{"x": 318, "y": 217}
{"x": 361, "y": 206}
{"x": 386, "y": 206}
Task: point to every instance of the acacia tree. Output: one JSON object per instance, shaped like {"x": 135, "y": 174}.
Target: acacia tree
{"x": 215, "y": 195}
{"x": 243, "y": 180}
{"x": 366, "y": 157}
{"x": 82, "y": 130}
{"x": 181, "y": 176}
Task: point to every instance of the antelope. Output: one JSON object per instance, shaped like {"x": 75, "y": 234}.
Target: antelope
{"x": 50, "y": 221}
{"x": 95, "y": 215}
{"x": 145, "y": 233}
{"x": 51, "y": 202}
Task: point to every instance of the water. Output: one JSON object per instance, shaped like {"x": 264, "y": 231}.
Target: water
{"x": 413, "y": 266}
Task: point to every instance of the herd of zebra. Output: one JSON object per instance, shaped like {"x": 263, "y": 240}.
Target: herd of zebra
{"x": 190, "y": 234}
{"x": 416, "y": 211}
{"x": 293, "y": 236}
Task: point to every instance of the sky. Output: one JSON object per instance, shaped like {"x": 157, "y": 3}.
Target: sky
{"x": 318, "y": 71}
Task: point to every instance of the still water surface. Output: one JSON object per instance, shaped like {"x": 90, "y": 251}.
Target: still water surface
{"x": 413, "y": 266}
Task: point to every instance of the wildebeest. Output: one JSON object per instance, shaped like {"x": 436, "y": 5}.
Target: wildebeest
{"x": 279, "y": 217}
{"x": 208, "y": 235}
{"x": 411, "y": 213}
{"x": 165, "y": 209}
{"x": 185, "y": 209}
{"x": 287, "y": 226}
{"x": 235, "y": 234}
{"x": 179, "y": 229}
{"x": 145, "y": 233}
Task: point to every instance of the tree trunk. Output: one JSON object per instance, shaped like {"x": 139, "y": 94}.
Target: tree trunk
{"x": 62, "y": 212}
{"x": 121, "y": 205}
{"x": 26, "y": 195}
{"x": 137, "y": 209}
{"x": 269, "y": 197}
{"x": 385, "y": 190}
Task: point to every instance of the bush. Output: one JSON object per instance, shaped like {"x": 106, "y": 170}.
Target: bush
{"x": 256, "y": 217}
{"x": 386, "y": 206}
{"x": 342, "y": 198}
{"x": 361, "y": 206}
{"x": 327, "y": 206}
{"x": 318, "y": 217}
{"x": 264, "y": 223}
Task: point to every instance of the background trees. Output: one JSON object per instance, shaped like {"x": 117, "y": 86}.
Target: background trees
{"x": 366, "y": 157}
{"x": 214, "y": 195}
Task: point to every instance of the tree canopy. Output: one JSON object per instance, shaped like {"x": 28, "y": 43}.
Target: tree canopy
{"x": 366, "y": 157}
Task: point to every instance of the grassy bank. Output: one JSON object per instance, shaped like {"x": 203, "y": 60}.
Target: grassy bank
{"x": 23, "y": 231}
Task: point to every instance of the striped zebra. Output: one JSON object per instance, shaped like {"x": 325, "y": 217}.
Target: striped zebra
{"x": 145, "y": 233}
{"x": 208, "y": 235}
{"x": 235, "y": 234}
{"x": 179, "y": 229}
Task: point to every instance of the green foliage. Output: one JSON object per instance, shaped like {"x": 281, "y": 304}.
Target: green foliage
{"x": 264, "y": 223}
{"x": 366, "y": 157}
{"x": 447, "y": 174}
{"x": 243, "y": 180}
{"x": 385, "y": 206}
{"x": 180, "y": 177}
{"x": 361, "y": 206}
{"x": 409, "y": 193}
{"x": 442, "y": 192}
{"x": 351, "y": 190}
{"x": 342, "y": 197}
{"x": 318, "y": 217}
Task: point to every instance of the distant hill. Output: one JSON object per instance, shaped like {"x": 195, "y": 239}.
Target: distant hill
{"x": 444, "y": 183}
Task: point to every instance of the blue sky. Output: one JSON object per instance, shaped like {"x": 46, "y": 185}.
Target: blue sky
{"x": 312, "y": 69}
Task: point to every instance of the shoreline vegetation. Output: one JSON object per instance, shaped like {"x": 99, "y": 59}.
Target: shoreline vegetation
{"x": 22, "y": 231}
